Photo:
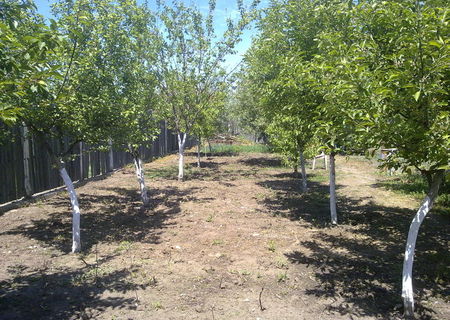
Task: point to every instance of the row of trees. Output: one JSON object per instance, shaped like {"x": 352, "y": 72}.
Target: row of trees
{"x": 106, "y": 73}
{"x": 343, "y": 75}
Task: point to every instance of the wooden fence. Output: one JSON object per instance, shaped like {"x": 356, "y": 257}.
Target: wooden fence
{"x": 23, "y": 173}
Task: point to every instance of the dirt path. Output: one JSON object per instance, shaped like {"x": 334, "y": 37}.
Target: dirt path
{"x": 235, "y": 238}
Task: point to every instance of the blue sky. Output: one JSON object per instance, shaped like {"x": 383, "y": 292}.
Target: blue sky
{"x": 224, "y": 9}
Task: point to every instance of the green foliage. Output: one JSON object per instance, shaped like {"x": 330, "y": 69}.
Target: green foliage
{"x": 69, "y": 104}
{"x": 126, "y": 49}
{"x": 409, "y": 65}
{"x": 354, "y": 77}
{"x": 27, "y": 57}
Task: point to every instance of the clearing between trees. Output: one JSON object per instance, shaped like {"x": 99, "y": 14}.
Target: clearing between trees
{"x": 236, "y": 240}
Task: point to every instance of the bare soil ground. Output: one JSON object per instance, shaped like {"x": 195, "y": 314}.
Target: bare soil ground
{"x": 236, "y": 240}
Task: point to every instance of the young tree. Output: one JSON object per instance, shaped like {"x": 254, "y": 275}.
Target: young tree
{"x": 410, "y": 42}
{"x": 68, "y": 108}
{"x": 208, "y": 123}
{"x": 127, "y": 48}
{"x": 189, "y": 64}
{"x": 279, "y": 66}
{"x": 244, "y": 110}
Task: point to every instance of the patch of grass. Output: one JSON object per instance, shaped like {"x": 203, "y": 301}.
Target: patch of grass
{"x": 237, "y": 148}
{"x": 162, "y": 173}
{"x": 318, "y": 176}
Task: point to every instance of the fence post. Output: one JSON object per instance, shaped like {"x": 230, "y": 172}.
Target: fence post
{"x": 81, "y": 162}
{"x": 111, "y": 156}
{"x": 26, "y": 162}
{"x": 165, "y": 138}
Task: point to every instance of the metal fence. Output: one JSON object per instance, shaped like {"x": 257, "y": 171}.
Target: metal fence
{"x": 33, "y": 170}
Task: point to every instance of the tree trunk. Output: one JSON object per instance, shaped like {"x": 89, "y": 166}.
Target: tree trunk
{"x": 333, "y": 189}
{"x": 303, "y": 167}
{"x": 181, "y": 143}
{"x": 425, "y": 207}
{"x": 295, "y": 168}
{"x": 141, "y": 179}
{"x": 76, "y": 239}
{"x": 198, "y": 152}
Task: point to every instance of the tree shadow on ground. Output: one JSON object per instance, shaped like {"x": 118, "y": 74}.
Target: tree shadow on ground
{"x": 262, "y": 162}
{"x": 289, "y": 201}
{"x": 105, "y": 218}
{"x": 205, "y": 164}
{"x": 210, "y": 171}
{"x": 359, "y": 262}
{"x": 213, "y": 154}
{"x": 60, "y": 295}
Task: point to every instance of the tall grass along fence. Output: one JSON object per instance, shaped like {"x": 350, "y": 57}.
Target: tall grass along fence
{"x": 26, "y": 168}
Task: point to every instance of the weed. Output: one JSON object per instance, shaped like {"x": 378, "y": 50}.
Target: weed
{"x": 89, "y": 276}
{"x": 60, "y": 238}
{"x": 124, "y": 246}
{"x": 260, "y": 196}
{"x": 271, "y": 245}
{"x": 217, "y": 242}
{"x": 157, "y": 305}
{"x": 282, "y": 277}
{"x": 282, "y": 263}
{"x": 245, "y": 272}
{"x": 210, "y": 218}
{"x": 39, "y": 203}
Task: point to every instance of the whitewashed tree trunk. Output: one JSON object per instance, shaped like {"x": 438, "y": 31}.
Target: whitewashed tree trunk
{"x": 198, "y": 152}
{"x": 303, "y": 167}
{"x": 26, "y": 162}
{"x": 76, "y": 238}
{"x": 181, "y": 143}
{"x": 141, "y": 179}
{"x": 425, "y": 207}
{"x": 333, "y": 189}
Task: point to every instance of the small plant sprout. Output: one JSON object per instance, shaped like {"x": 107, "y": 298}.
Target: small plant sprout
{"x": 271, "y": 245}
